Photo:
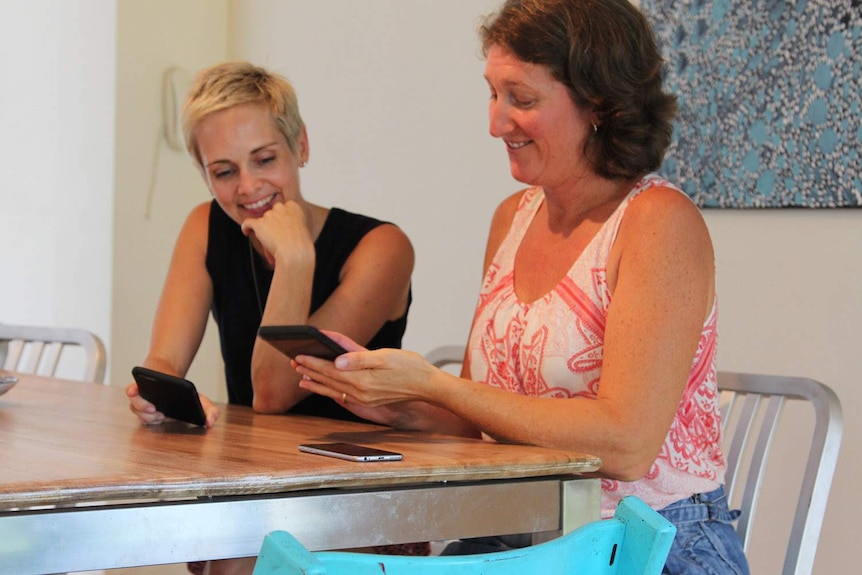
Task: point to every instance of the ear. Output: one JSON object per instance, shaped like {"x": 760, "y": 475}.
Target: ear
{"x": 302, "y": 148}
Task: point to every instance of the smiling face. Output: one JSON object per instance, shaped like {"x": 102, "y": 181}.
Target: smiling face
{"x": 246, "y": 161}
{"x": 544, "y": 131}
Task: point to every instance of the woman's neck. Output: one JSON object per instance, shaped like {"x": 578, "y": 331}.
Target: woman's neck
{"x": 589, "y": 198}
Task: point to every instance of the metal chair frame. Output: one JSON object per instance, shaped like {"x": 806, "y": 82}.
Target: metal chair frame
{"x": 445, "y": 355}
{"x": 37, "y": 350}
{"x": 749, "y": 422}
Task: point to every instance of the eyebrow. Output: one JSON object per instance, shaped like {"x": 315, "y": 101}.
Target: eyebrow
{"x": 254, "y": 151}
{"x": 511, "y": 83}
{"x": 214, "y": 162}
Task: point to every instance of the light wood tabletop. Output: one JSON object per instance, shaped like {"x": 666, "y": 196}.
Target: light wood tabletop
{"x": 65, "y": 443}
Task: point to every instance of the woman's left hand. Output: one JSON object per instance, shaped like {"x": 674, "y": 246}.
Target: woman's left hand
{"x": 367, "y": 378}
{"x": 388, "y": 386}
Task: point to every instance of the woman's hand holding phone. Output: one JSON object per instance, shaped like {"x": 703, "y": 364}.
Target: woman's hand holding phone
{"x": 293, "y": 340}
{"x": 155, "y": 396}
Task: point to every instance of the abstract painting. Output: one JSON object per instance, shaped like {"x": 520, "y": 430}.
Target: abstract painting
{"x": 770, "y": 100}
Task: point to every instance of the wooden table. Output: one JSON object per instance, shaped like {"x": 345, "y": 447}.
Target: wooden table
{"x": 83, "y": 485}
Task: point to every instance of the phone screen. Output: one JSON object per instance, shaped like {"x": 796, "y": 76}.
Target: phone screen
{"x": 350, "y": 452}
{"x": 293, "y": 340}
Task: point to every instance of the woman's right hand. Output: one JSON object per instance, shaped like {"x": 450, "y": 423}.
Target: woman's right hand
{"x": 149, "y": 415}
{"x": 282, "y": 232}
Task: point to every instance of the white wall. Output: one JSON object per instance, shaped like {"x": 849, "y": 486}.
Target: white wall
{"x": 790, "y": 300}
{"x": 395, "y": 103}
{"x": 57, "y": 142}
{"x": 156, "y": 186}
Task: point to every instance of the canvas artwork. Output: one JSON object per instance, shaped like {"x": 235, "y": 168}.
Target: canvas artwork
{"x": 770, "y": 100}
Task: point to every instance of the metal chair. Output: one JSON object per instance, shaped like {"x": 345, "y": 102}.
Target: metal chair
{"x": 38, "y": 350}
{"x": 446, "y": 355}
{"x": 635, "y": 542}
{"x": 750, "y": 418}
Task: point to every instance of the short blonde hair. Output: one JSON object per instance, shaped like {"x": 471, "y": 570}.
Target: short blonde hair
{"x": 232, "y": 84}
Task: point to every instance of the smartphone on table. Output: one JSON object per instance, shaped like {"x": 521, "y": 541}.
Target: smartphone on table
{"x": 293, "y": 340}
{"x": 7, "y": 380}
{"x": 174, "y": 396}
{"x": 350, "y": 452}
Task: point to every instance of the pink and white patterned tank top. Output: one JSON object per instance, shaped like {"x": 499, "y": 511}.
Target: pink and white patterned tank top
{"x": 552, "y": 347}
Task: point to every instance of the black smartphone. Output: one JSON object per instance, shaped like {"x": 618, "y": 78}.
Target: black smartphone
{"x": 174, "y": 396}
{"x": 350, "y": 452}
{"x": 293, "y": 340}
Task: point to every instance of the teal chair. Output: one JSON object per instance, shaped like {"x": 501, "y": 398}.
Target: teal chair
{"x": 635, "y": 542}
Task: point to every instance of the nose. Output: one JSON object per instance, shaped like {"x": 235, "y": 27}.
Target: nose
{"x": 499, "y": 121}
{"x": 248, "y": 183}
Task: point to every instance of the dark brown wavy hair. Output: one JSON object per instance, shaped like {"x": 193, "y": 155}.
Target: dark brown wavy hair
{"x": 604, "y": 52}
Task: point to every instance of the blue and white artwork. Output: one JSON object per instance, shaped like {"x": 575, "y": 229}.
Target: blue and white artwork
{"x": 770, "y": 100}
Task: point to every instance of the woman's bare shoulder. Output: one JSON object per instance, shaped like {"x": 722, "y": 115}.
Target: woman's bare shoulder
{"x": 663, "y": 207}
{"x": 500, "y": 224}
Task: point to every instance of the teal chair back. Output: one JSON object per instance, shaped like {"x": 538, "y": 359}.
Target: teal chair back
{"x": 635, "y": 542}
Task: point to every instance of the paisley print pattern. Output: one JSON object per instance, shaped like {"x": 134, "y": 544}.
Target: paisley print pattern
{"x": 553, "y": 347}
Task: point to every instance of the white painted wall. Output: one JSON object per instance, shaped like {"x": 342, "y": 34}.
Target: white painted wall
{"x": 789, "y": 287}
{"x": 156, "y": 186}
{"x": 57, "y": 143}
{"x": 395, "y": 104}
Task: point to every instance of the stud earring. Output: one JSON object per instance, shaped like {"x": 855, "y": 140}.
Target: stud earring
{"x": 595, "y": 128}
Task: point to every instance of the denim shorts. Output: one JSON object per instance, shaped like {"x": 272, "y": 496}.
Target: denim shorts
{"x": 706, "y": 542}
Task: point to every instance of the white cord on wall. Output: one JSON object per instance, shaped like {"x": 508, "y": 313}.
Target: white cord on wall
{"x": 175, "y": 83}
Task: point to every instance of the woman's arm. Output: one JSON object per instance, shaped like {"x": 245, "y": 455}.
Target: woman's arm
{"x": 421, "y": 415}
{"x": 416, "y": 415}
{"x": 661, "y": 274}
{"x": 374, "y": 286}
{"x": 182, "y": 312}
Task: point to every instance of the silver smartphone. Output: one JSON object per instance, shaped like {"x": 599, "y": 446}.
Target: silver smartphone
{"x": 350, "y": 452}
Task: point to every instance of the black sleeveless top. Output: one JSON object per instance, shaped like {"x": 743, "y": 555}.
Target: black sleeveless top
{"x": 235, "y": 299}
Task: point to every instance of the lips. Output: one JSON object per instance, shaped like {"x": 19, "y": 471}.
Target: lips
{"x": 260, "y": 203}
{"x": 517, "y": 145}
